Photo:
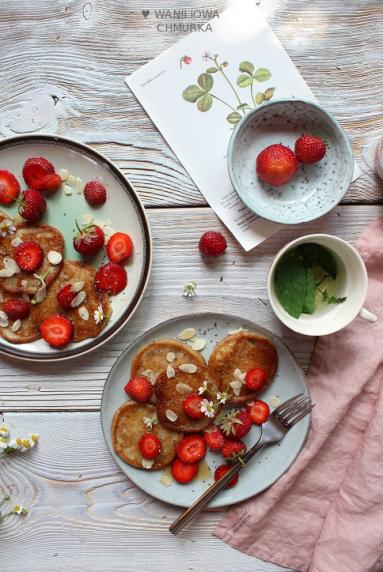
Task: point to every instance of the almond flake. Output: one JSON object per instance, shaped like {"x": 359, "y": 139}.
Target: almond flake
{"x": 41, "y": 294}
{"x": 83, "y": 313}
{"x": 67, "y": 190}
{"x": 70, "y": 180}
{"x": 79, "y": 185}
{"x": 150, "y": 375}
{"x": 183, "y": 388}
{"x": 170, "y": 372}
{"x": 171, "y": 415}
{"x": 54, "y": 257}
{"x": 16, "y": 241}
{"x": 79, "y": 299}
{"x": 147, "y": 463}
{"x": 166, "y": 480}
{"x": 63, "y": 174}
{"x": 171, "y": 357}
{"x": 86, "y": 219}
{"x": 236, "y": 384}
{"x": 187, "y": 334}
{"x": 3, "y": 319}
{"x": 10, "y": 268}
{"x": 77, "y": 287}
{"x": 188, "y": 367}
{"x": 199, "y": 344}
{"x": 16, "y": 326}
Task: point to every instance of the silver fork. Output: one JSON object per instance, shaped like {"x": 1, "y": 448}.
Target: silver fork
{"x": 282, "y": 419}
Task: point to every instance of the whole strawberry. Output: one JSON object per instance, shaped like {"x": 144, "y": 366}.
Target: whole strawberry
{"x": 89, "y": 240}
{"x": 276, "y": 165}
{"x": 32, "y": 205}
{"x": 309, "y": 149}
{"x": 95, "y": 193}
{"x": 212, "y": 243}
{"x": 17, "y": 309}
{"x": 139, "y": 388}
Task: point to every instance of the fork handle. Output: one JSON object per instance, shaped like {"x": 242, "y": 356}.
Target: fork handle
{"x": 190, "y": 513}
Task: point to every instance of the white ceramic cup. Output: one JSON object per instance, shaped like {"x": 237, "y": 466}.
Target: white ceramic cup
{"x": 351, "y": 282}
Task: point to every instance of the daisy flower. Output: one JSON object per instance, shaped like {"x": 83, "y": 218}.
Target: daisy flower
{"x": 222, "y": 397}
{"x": 98, "y": 314}
{"x": 7, "y": 227}
{"x": 203, "y": 388}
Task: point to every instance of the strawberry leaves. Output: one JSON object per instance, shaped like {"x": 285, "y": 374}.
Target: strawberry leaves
{"x": 199, "y": 94}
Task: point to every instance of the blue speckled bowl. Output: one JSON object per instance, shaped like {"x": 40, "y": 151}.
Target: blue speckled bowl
{"x": 316, "y": 188}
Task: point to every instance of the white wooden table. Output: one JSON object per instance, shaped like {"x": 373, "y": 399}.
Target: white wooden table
{"x": 62, "y": 71}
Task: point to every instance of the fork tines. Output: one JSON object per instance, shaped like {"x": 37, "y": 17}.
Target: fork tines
{"x": 293, "y": 410}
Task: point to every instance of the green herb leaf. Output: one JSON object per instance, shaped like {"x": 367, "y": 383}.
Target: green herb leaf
{"x": 233, "y": 117}
{"x": 262, "y": 74}
{"x": 291, "y": 284}
{"x": 192, "y": 93}
{"x": 246, "y": 67}
{"x": 244, "y": 80}
{"x": 205, "y": 81}
{"x": 211, "y": 70}
{"x": 309, "y": 301}
{"x": 316, "y": 255}
{"x": 205, "y": 102}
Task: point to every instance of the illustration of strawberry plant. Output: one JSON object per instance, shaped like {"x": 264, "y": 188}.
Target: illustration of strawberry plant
{"x": 201, "y": 93}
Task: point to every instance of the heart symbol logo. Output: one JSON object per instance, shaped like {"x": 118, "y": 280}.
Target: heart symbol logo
{"x": 145, "y": 13}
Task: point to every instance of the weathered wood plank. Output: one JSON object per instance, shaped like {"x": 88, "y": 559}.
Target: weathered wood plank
{"x": 64, "y": 65}
{"x": 86, "y": 515}
{"x": 242, "y": 291}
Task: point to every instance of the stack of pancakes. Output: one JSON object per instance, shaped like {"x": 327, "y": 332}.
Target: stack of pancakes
{"x": 163, "y": 363}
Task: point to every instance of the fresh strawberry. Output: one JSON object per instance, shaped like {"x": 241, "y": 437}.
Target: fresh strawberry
{"x": 35, "y": 169}
{"x": 57, "y": 330}
{"x": 276, "y": 165}
{"x": 192, "y": 406}
{"x": 119, "y": 247}
{"x": 89, "y": 240}
{"x": 150, "y": 445}
{"x": 309, "y": 149}
{"x": 9, "y": 188}
{"x": 28, "y": 255}
{"x": 95, "y": 193}
{"x": 221, "y": 471}
{"x": 212, "y": 243}
{"x": 111, "y": 278}
{"x": 184, "y": 472}
{"x": 65, "y": 297}
{"x": 214, "y": 438}
{"x": 233, "y": 449}
{"x": 259, "y": 411}
{"x": 234, "y": 423}
{"x": 241, "y": 429}
{"x": 50, "y": 183}
{"x": 255, "y": 378}
{"x": 191, "y": 448}
{"x": 139, "y": 389}
{"x": 17, "y": 309}
{"x": 32, "y": 205}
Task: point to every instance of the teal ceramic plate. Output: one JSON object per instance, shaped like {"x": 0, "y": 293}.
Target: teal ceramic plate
{"x": 265, "y": 468}
{"x": 123, "y": 211}
{"x": 315, "y": 189}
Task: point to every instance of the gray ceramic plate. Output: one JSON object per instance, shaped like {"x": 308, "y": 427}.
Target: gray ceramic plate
{"x": 316, "y": 188}
{"x": 265, "y": 468}
{"x": 123, "y": 211}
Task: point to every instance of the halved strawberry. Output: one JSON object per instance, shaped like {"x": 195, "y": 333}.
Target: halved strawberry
{"x": 233, "y": 449}
{"x": 28, "y": 255}
{"x": 214, "y": 438}
{"x": 65, "y": 297}
{"x": 17, "y": 309}
{"x": 191, "y": 448}
{"x": 255, "y": 378}
{"x": 35, "y": 169}
{"x": 111, "y": 278}
{"x": 192, "y": 406}
{"x": 119, "y": 247}
{"x": 139, "y": 388}
{"x": 221, "y": 471}
{"x": 57, "y": 330}
{"x": 150, "y": 445}
{"x": 9, "y": 187}
{"x": 184, "y": 472}
{"x": 259, "y": 411}
{"x": 50, "y": 183}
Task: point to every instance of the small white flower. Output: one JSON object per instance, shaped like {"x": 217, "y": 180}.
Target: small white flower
{"x": 190, "y": 290}
{"x": 19, "y": 509}
{"x": 222, "y": 397}
{"x": 98, "y": 314}
{"x": 7, "y": 227}
{"x": 207, "y": 407}
{"x": 203, "y": 388}
{"x": 150, "y": 421}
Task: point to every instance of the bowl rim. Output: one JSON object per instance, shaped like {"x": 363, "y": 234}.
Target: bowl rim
{"x": 300, "y": 240}
{"x": 331, "y": 119}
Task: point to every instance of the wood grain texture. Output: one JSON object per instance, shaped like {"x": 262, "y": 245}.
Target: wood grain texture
{"x": 235, "y": 283}
{"x": 64, "y": 65}
{"x": 85, "y": 515}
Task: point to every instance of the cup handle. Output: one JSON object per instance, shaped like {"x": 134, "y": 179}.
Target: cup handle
{"x": 367, "y": 315}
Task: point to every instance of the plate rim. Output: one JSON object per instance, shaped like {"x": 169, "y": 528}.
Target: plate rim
{"x": 194, "y": 315}
{"x": 126, "y": 184}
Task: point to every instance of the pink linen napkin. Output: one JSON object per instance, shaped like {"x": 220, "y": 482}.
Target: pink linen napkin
{"x": 326, "y": 513}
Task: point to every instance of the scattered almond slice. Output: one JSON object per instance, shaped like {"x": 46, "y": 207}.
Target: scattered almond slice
{"x": 54, "y": 257}
{"x": 78, "y": 299}
{"x": 171, "y": 357}
{"x": 4, "y": 322}
{"x": 166, "y": 480}
{"x": 77, "y": 287}
{"x": 86, "y": 219}
{"x": 170, "y": 372}
{"x": 70, "y": 180}
{"x": 79, "y": 185}
{"x": 188, "y": 367}
{"x": 150, "y": 375}
{"x": 16, "y": 326}
{"x": 236, "y": 387}
{"x": 10, "y": 268}
{"x": 147, "y": 463}
{"x": 187, "y": 334}
{"x": 63, "y": 174}
{"x": 199, "y": 344}
{"x": 171, "y": 415}
{"x": 67, "y": 189}
{"x": 183, "y": 388}
{"x": 83, "y": 313}
{"x": 41, "y": 294}
{"x": 16, "y": 241}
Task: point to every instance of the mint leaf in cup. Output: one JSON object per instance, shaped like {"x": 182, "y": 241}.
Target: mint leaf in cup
{"x": 291, "y": 284}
